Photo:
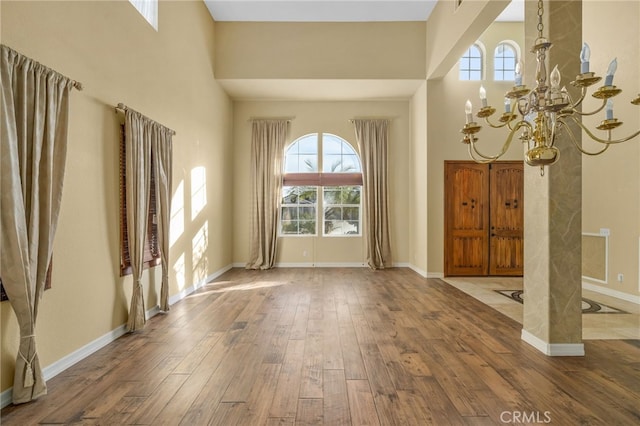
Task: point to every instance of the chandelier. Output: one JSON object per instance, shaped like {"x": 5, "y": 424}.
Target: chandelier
{"x": 546, "y": 111}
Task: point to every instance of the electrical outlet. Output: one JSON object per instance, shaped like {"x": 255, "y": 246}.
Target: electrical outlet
{"x": 620, "y": 278}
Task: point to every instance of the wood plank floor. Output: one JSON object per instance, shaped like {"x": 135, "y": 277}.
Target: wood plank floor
{"x": 337, "y": 347}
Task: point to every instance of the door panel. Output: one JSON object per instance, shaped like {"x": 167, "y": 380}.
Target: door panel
{"x": 466, "y": 218}
{"x": 484, "y": 218}
{"x": 506, "y": 256}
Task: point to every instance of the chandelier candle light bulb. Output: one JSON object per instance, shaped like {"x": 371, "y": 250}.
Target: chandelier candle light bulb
{"x": 483, "y": 96}
{"x": 585, "y": 54}
{"x": 609, "y": 109}
{"x": 518, "y": 73}
{"x": 613, "y": 66}
{"x": 468, "y": 109}
{"x": 507, "y": 105}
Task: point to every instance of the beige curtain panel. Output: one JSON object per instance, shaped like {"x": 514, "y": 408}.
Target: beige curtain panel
{"x": 267, "y": 152}
{"x": 372, "y": 137}
{"x": 35, "y": 108}
{"x": 162, "y": 158}
{"x": 137, "y": 132}
{"x": 148, "y": 145}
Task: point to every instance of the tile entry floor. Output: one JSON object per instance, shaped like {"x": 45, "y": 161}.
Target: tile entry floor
{"x": 595, "y": 326}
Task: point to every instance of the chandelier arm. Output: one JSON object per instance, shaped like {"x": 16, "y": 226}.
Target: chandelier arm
{"x": 582, "y": 150}
{"x": 497, "y": 126}
{"x": 605, "y": 141}
{"x": 505, "y": 147}
{"x": 476, "y": 159}
{"x": 574, "y": 111}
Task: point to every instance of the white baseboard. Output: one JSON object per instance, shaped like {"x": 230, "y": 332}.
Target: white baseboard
{"x": 435, "y": 275}
{"x": 610, "y": 292}
{"x": 5, "y": 397}
{"x": 320, "y": 265}
{"x": 187, "y": 291}
{"x": 418, "y": 271}
{"x": 553, "y": 349}
{"x": 62, "y": 364}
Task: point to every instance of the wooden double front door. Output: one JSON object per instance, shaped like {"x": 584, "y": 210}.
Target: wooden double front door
{"x": 484, "y": 218}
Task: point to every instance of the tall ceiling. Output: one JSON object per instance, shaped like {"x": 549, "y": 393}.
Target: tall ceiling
{"x": 336, "y": 11}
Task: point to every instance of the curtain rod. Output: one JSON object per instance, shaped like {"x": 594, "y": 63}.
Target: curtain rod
{"x": 288, "y": 119}
{"x": 122, "y": 108}
{"x": 351, "y": 120}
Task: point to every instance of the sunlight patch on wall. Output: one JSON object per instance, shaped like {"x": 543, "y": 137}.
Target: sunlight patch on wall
{"x": 199, "y": 245}
{"x": 179, "y": 271}
{"x": 198, "y": 190}
{"x": 176, "y": 224}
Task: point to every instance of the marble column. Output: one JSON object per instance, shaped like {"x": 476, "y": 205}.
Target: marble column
{"x": 552, "y": 320}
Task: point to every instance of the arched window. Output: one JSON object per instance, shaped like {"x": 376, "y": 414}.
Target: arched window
{"x": 471, "y": 63}
{"x": 340, "y": 184}
{"x": 504, "y": 62}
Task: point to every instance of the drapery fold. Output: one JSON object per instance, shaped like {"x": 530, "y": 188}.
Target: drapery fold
{"x": 138, "y": 190}
{"x": 35, "y": 109}
{"x": 267, "y": 153}
{"x": 148, "y": 145}
{"x": 162, "y": 157}
{"x": 372, "y": 137}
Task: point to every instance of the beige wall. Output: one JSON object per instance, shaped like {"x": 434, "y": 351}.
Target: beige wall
{"x": 167, "y": 75}
{"x": 329, "y": 117}
{"x": 383, "y": 50}
{"x": 611, "y": 181}
{"x": 446, "y": 116}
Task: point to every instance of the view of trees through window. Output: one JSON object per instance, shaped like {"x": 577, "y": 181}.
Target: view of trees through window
{"x": 336, "y": 191}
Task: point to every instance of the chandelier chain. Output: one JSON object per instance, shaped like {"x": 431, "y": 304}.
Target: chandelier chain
{"x": 540, "y": 12}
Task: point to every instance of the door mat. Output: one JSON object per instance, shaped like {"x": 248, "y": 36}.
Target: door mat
{"x": 588, "y": 305}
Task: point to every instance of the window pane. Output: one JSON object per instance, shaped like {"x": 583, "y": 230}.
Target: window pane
{"x": 351, "y": 213}
{"x": 289, "y": 194}
{"x": 509, "y": 63}
{"x": 289, "y": 213}
{"x": 339, "y": 156}
{"x": 308, "y": 194}
{"x": 474, "y": 75}
{"x": 308, "y": 144}
{"x": 332, "y": 195}
{"x": 291, "y": 163}
{"x": 302, "y": 155}
{"x": 351, "y": 194}
{"x": 307, "y": 213}
{"x": 333, "y": 213}
{"x": 298, "y": 213}
{"x": 307, "y": 227}
{"x": 342, "y": 214}
{"x": 353, "y": 228}
{"x": 289, "y": 227}
{"x": 331, "y": 145}
{"x": 308, "y": 163}
{"x": 331, "y": 163}
{"x": 341, "y": 227}
{"x": 475, "y": 64}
